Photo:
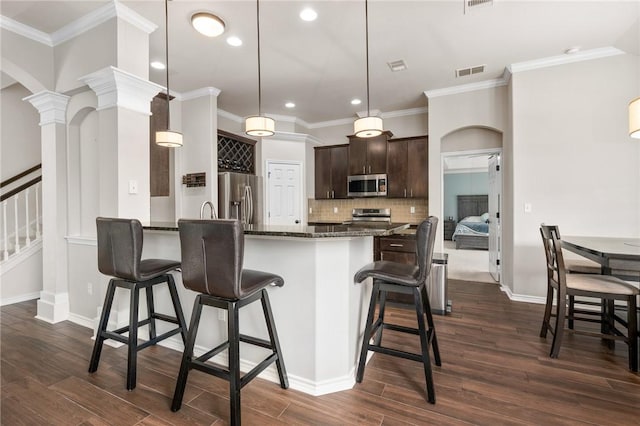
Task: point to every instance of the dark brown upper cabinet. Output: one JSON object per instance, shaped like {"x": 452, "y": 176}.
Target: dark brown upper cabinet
{"x": 407, "y": 171}
{"x": 331, "y": 169}
{"x": 368, "y": 155}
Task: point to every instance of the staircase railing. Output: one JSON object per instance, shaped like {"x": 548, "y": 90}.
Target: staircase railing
{"x": 25, "y": 200}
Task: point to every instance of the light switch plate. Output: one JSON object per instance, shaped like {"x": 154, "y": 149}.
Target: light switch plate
{"x": 412, "y": 209}
{"x": 133, "y": 187}
{"x": 335, "y": 210}
{"x": 527, "y": 207}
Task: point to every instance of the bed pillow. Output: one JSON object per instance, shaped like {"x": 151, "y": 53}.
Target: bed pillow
{"x": 476, "y": 219}
{"x": 485, "y": 217}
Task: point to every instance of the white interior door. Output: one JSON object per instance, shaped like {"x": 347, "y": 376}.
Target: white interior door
{"x": 495, "y": 193}
{"x": 284, "y": 195}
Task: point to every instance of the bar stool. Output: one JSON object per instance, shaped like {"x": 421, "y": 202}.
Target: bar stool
{"x": 119, "y": 255}
{"x": 212, "y": 257}
{"x": 405, "y": 279}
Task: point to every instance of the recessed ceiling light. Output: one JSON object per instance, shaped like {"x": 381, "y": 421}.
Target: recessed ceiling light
{"x": 356, "y": 101}
{"x": 157, "y": 65}
{"x": 308, "y": 14}
{"x": 571, "y": 50}
{"x": 290, "y": 105}
{"x": 234, "y": 41}
{"x": 207, "y": 24}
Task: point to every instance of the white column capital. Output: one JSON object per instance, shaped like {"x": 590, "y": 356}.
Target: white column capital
{"x": 117, "y": 88}
{"x": 52, "y": 106}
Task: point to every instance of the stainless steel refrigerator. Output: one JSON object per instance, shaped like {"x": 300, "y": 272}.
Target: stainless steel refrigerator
{"x": 240, "y": 197}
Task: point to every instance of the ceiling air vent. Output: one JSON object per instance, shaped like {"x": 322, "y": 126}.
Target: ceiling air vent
{"x": 470, "y": 5}
{"x": 463, "y": 72}
{"x": 397, "y": 65}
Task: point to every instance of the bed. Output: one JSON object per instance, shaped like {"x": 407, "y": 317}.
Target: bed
{"x": 472, "y": 230}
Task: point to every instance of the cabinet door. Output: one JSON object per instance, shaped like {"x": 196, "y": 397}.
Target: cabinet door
{"x": 397, "y": 169}
{"x": 417, "y": 169}
{"x": 357, "y": 156}
{"x": 159, "y": 175}
{"x": 339, "y": 171}
{"x": 377, "y": 154}
{"x": 322, "y": 173}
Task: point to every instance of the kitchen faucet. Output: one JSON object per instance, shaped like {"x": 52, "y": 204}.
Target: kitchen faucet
{"x": 213, "y": 210}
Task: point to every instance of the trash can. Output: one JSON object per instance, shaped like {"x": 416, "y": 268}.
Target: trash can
{"x": 437, "y": 285}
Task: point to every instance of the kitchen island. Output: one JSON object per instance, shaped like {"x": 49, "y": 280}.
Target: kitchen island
{"x": 319, "y": 313}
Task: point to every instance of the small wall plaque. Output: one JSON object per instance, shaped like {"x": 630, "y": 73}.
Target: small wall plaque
{"x": 194, "y": 179}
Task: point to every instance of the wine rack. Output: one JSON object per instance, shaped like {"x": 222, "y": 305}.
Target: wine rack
{"x": 235, "y": 153}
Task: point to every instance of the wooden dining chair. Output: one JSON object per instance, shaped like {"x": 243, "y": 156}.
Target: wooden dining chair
{"x": 604, "y": 287}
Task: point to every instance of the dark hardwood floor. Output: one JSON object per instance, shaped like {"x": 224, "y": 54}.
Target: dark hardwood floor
{"x": 495, "y": 370}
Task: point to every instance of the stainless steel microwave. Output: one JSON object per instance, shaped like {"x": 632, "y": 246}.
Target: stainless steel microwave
{"x": 367, "y": 186}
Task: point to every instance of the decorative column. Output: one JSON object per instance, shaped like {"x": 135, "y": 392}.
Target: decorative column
{"x": 124, "y": 106}
{"x": 53, "y": 305}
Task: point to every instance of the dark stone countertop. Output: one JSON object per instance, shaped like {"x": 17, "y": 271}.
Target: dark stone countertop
{"x": 303, "y": 231}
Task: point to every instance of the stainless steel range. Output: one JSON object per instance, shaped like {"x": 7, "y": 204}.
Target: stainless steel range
{"x": 369, "y": 216}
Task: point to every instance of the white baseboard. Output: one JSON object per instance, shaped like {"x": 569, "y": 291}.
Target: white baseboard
{"x": 523, "y": 297}
{"x": 20, "y": 298}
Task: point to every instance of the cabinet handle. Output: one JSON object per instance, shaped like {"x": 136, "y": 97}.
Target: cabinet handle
{"x": 405, "y": 193}
{"x": 364, "y": 171}
{"x": 369, "y": 168}
{"x": 328, "y": 194}
{"x": 411, "y": 192}
{"x": 333, "y": 194}
{"x": 396, "y": 245}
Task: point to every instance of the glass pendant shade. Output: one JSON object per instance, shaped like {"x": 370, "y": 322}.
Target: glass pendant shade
{"x": 634, "y": 118}
{"x": 258, "y": 125}
{"x": 169, "y": 138}
{"x": 368, "y": 127}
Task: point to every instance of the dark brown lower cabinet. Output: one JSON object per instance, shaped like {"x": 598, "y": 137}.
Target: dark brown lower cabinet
{"x": 396, "y": 248}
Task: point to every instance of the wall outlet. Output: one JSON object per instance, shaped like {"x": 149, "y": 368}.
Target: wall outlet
{"x": 412, "y": 209}
{"x": 89, "y": 289}
{"x": 222, "y": 315}
{"x": 335, "y": 210}
{"x": 527, "y": 207}
{"x": 310, "y": 210}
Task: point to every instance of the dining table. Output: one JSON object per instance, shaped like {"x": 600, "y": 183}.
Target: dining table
{"x": 617, "y": 256}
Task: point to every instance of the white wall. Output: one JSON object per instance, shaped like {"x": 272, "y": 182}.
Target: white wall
{"x": 20, "y": 132}
{"x": 573, "y": 160}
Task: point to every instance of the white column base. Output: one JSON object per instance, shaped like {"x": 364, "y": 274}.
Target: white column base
{"x": 53, "y": 308}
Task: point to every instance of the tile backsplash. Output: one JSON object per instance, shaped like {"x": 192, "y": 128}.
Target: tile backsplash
{"x": 340, "y": 210}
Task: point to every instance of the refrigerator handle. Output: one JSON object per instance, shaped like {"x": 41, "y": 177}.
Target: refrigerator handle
{"x": 249, "y": 205}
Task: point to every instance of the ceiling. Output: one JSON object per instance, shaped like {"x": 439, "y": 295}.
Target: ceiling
{"x": 321, "y": 65}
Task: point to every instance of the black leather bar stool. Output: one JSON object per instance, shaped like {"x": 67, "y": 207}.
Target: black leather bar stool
{"x": 406, "y": 279}
{"x": 212, "y": 257}
{"x": 119, "y": 255}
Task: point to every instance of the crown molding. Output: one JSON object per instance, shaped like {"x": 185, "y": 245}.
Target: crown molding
{"x": 370, "y": 113}
{"x": 331, "y": 123}
{"x": 25, "y": 31}
{"x": 198, "y": 93}
{"x": 52, "y": 106}
{"x": 552, "y": 61}
{"x": 296, "y": 137}
{"x": 464, "y": 88}
{"x": 81, "y": 25}
{"x": 230, "y": 116}
{"x": 405, "y": 112}
{"x": 117, "y": 88}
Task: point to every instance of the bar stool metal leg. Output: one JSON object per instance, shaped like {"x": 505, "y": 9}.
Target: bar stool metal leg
{"x": 367, "y": 332}
{"x": 187, "y": 355}
{"x": 432, "y": 328}
{"x": 133, "y": 337}
{"x": 177, "y": 307}
{"x": 151, "y": 312}
{"x": 273, "y": 337}
{"x": 102, "y": 326}
{"x": 234, "y": 363}
{"x": 424, "y": 344}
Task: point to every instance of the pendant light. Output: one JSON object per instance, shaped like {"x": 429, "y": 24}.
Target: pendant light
{"x": 634, "y": 118}
{"x": 258, "y": 125}
{"x": 168, "y": 138}
{"x": 367, "y": 127}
